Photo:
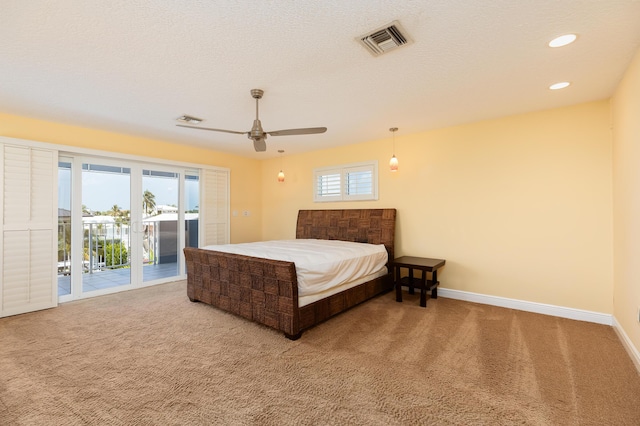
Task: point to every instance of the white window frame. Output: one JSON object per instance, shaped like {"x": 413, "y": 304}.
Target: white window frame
{"x": 342, "y": 172}
{"x": 220, "y": 220}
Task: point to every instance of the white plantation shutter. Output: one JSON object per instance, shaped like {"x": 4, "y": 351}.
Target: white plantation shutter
{"x": 359, "y": 183}
{"x": 215, "y": 207}
{"x": 328, "y": 185}
{"x": 28, "y": 229}
{"x": 16, "y": 183}
{"x": 348, "y": 182}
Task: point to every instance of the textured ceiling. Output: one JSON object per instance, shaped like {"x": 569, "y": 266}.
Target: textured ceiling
{"x": 134, "y": 66}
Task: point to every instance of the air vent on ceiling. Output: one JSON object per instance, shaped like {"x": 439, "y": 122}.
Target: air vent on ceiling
{"x": 385, "y": 39}
{"x": 189, "y": 119}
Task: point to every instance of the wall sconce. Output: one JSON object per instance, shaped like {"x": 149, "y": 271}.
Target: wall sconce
{"x": 393, "y": 163}
{"x": 281, "y": 174}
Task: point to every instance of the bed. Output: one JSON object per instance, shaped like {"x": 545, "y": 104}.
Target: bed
{"x": 266, "y": 291}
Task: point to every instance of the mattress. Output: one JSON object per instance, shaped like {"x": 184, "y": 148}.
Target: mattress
{"x": 310, "y": 298}
{"x": 321, "y": 265}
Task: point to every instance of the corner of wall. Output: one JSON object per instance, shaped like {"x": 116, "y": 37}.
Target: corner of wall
{"x": 628, "y": 344}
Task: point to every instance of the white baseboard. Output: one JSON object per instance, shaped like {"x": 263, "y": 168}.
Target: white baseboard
{"x": 522, "y": 305}
{"x": 628, "y": 345}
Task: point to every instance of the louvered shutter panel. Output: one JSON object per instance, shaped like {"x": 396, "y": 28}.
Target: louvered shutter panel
{"x": 28, "y": 229}
{"x": 215, "y": 207}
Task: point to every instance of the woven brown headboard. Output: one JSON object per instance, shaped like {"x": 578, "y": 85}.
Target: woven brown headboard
{"x": 373, "y": 226}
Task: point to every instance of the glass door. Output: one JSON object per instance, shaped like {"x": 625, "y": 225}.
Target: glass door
{"x": 191, "y": 207}
{"x": 106, "y": 226}
{"x": 161, "y": 230}
{"x": 122, "y": 224}
{"x": 64, "y": 228}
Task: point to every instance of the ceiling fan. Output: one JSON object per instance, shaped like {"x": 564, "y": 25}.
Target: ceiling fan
{"x": 257, "y": 134}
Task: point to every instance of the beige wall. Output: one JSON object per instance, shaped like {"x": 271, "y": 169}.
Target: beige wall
{"x": 520, "y": 207}
{"x": 245, "y": 193}
{"x": 626, "y": 191}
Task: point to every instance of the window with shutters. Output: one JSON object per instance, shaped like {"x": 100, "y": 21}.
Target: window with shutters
{"x": 348, "y": 182}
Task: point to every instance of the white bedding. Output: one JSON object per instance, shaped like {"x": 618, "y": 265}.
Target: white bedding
{"x": 320, "y": 264}
{"x": 308, "y": 299}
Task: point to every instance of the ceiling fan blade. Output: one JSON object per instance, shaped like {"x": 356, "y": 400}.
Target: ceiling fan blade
{"x": 291, "y": 132}
{"x": 260, "y": 144}
{"x": 209, "y": 128}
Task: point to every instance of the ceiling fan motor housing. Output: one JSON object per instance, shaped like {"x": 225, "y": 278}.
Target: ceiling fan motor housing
{"x": 256, "y": 131}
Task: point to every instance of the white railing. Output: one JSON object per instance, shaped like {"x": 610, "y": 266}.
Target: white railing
{"x": 106, "y": 245}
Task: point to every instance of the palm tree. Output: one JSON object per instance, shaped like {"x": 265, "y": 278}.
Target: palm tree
{"x": 115, "y": 211}
{"x": 148, "y": 202}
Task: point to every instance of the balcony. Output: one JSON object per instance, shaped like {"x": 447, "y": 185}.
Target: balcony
{"x": 106, "y": 248}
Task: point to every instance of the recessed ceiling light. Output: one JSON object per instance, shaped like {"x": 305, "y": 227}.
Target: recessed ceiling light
{"x": 563, "y": 40}
{"x": 560, "y": 85}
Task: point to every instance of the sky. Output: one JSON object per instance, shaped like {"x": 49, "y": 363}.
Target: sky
{"x": 100, "y": 190}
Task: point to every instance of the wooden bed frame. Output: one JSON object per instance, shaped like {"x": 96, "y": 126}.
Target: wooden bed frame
{"x": 266, "y": 291}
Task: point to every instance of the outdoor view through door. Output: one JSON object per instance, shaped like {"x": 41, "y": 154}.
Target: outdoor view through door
{"x": 160, "y": 244}
{"x": 119, "y": 245}
{"x": 106, "y": 223}
{"x": 64, "y": 226}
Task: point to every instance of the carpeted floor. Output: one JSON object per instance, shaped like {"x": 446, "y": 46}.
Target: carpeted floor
{"x": 152, "y": 357}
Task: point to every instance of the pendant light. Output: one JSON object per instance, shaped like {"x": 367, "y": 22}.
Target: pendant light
{"x": 281, "y": 174}
{"x": 393, "y": 163}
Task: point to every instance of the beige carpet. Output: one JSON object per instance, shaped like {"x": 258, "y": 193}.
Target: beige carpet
{"x": 152, "y": 357}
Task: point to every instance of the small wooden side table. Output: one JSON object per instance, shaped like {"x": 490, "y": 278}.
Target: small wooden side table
{"x": 423, "y": 264}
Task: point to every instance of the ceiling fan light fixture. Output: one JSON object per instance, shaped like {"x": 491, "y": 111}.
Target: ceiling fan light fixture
{"x": 259, "y": 144}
